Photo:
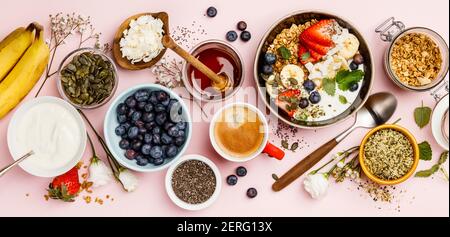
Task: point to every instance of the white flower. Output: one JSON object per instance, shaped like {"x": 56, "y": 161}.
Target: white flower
{"x": 99, "y": 173}
{"x": 128, "y": 180}
{"x": 316, "y": 185}
{"x": 341, "y": 164}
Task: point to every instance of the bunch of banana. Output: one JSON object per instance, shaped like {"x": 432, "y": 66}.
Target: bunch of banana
{"x": 23, "y": 58}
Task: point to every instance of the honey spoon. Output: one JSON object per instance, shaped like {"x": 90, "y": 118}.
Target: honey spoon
{"x": 378, "y": 109}
{"x": 18, "y": 161}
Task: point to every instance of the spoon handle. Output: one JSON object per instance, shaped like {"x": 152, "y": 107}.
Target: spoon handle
{"x": 7, "y": 168}
{"x": 304, "y": 165}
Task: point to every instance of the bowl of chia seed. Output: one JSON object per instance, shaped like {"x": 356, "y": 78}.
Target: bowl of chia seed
{"x": 193, "y": 182}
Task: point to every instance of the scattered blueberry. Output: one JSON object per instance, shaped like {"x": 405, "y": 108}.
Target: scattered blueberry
{"x": 172, "y": 151}
{"x": 353, "y": 66}
{"x": 232, "y": 180}
{"x": 270, "y": 58}
{"x": 130, "y": 154}
{"x": 120, "y": 130}
{"x": 242, "y": 25}
{"x": 211, "y": 11}
{"x": 252, "y": 193}
{"x": 133, "y": 132}
{"x": 130, "y": 102}
{"x": 241, "y": 171}
{"x": 146, "y": 148}
{"x": 309, "y": 85}
{"x": 267, "y": 69}
{"x": 354, "y": 87}
{"x": 303, "y": 103}
{"x": 124, "y": 144}
{"x": 156, "y": 152}
{"x": 231, "y": 35}
{"x": 314, "y": 97}
{"x": 121, "y": 109}
{"x": 245, "y": 36}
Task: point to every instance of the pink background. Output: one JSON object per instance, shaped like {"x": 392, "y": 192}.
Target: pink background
{"x": 423, "y": 197}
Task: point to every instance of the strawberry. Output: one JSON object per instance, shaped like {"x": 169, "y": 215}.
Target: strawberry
{"x": 320, "y": 33}
{"x": 320, "y": 49}
{"x": 284, "y": 100}
{"x": 304, "y": 55}
{"x": 66, "y": 186}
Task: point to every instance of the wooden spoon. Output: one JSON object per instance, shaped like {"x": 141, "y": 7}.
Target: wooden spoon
{"x": 220, "y": 81}
{"x": 125, "y": 63}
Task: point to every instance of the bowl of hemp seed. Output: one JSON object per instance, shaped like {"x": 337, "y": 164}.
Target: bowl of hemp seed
{"x": 87, "y": 78}
{"x": 389, "y": 154}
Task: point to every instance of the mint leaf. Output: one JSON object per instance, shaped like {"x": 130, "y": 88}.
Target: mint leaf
{"x": 345, "y": 78}
{"x": 306, "y": 56}
{"x": 443, "y": 158}
{"x": 284, "y": 52}
{"x": 425, "y": 152}
{"x": 422, "y": 116}
{"x": 329, "y": 86}
{"x": 428, "y": 172}
{"x": 342, "y": 99}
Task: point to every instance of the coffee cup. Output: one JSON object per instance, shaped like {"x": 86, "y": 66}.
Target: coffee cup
{"x": 239, "y": 132}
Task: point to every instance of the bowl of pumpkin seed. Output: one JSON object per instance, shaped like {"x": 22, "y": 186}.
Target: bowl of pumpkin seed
{"x": 87, "y": 78}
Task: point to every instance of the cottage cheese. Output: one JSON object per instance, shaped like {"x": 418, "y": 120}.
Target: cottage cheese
{"x": 143, "y": 40}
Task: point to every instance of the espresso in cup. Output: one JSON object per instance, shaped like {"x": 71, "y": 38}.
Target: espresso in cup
{"x": 239, "y": 132}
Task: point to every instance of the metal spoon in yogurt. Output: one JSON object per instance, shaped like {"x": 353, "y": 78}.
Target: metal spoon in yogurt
{"x": 18, "y": 161}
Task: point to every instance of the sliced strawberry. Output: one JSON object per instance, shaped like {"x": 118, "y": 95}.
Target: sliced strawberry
{"x": 321, "y": 33}
{"x": 283, "y": 100}
{"x": 304, "y": 56}
{"x": 320, "y": 49}
{"x": 315, "y": 56}
{"x": 290, "y": 93}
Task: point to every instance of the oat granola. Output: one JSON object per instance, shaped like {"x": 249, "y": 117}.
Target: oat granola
{"x": 416, "y": 59}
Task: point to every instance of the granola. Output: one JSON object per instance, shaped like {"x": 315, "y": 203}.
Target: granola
{"x": 416, "y": 59}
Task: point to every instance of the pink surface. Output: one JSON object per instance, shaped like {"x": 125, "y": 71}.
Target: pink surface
{"x": 423, "y": 197}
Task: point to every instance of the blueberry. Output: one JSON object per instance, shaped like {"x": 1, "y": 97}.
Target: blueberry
{"x": 179, "y": 141}
{"x": 354, "y": 87}
{"x": 156, "y": 152}
{"x": 153, "y": 98}
{"x": 121, "y": 109}
{"x": 166, "y": 139}
{"x": 148, "y": 138}
{"x": 245, "y": 36}
{"x": 267, "y": 69}
{"x": 130, "y": 102}
{"x": 156, "y": 139}
{"x": 150, "y": 125}
{"x": 158, "y": 161}
{"x": 146, "y": 149}
{"x": 124, "y": 136}
{"x": 309, "y": 85}
{"x": 232, "y": 180}
{"x": 211, "y": 11}
{"x": 231, "y": 35}
{"x": 142, "y": 95}
{"x": 133, "y": 132}
{"x": 270, "y": 58}
{"x": 314, "y": 98}
{"x": 136, "y": 145}
{"x": 167, "y": 125}
{"x": 121, "y": 118}
{"x": 162, "y": 96}
{"x": 141, "y": 161}
{"x": 142, "y": 131}
{"x": 139, "y": 124}
{"x": 130, "y": 112}
{"x": 251, "y": 193}
{"x": 160, "y": 108}
{"x": 141, "y": 105}
{"x": 241, "y": 171}
{"x": 172, "y": 102}
{"x": 150, "y": 159}
{"x": 181, "y": 125}
{"x": 136, "y": 116}
{"x": 181, "y": 133}
{"x": 353, "y": 66}
{"x": 303, "y": 103}
{"x": 156, "y": 130}
{"x": 148, "y": 117}
{"x": 130, "y": 154}
{"x": 173, "y": 131}
{"x": 172, "y": 151}
{"x": 242, "y": 25}
{"x": 358, "y": 59}
{"x": 124, "y": 144}
{"x": 148, "y": 107}
{"x": 140, "y": 137}
{"x": 161, "y": 118}
{"x": 120, "y": 130}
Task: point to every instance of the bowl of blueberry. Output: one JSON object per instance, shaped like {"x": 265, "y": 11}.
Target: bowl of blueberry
{"x": 147, "y": 128}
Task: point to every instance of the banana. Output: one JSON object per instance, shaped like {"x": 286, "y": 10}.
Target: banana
{"x": 25, "y": 73}
{"x": 292, "y": 76}
{"x": 350, "y": 47}
{"x": 13, "y": 47}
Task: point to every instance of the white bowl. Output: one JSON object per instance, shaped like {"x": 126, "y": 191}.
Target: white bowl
{"x": 112, "y": 140}
{"x": 13, "y": 147}
{"x": 183, "y": 204}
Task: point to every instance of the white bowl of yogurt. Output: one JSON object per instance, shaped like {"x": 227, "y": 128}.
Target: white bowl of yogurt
{"x": 53, "y": 129}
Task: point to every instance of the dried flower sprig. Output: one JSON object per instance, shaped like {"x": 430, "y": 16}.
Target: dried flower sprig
{"x": 168, "y": 73}
{"x": 62, "y": 26}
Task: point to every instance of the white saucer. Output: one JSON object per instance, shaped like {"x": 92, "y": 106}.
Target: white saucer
{"x": 437, "y": 120}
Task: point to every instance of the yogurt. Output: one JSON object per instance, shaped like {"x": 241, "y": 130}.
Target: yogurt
{"x": 53, "y": 131}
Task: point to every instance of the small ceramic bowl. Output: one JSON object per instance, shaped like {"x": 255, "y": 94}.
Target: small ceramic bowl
{"x": 68, "y": 59}
{"x": 183, "y": 204}
{"x": 112, "y": 140}
{"x": 411, "y": 139}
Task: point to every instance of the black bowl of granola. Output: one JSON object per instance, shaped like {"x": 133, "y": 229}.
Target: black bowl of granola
{"x": 313, "y": 69}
